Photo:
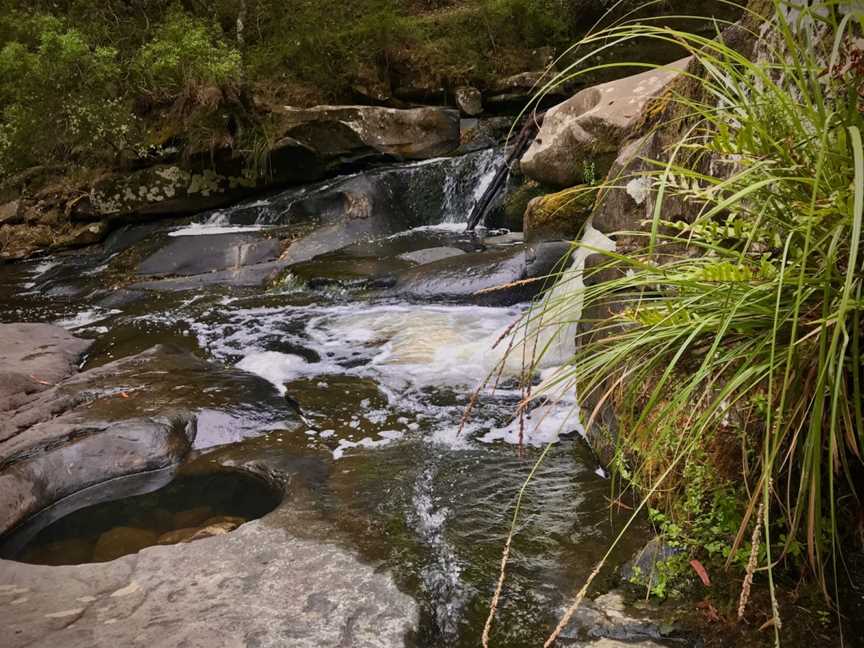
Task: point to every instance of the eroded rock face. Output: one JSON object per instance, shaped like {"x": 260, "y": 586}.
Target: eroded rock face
{"x": 33, "y": 357}
{"x": 589, "y": 128}
{"x": 139, "y": 414}
{"x": 312, "y": 143}
{"x": 284, "y": 580}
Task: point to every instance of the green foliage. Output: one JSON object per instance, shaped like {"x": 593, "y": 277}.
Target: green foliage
{"x": 325, "y": 43}
{"x": 55, "y": 76}
{"x": 752, "y": 321}
{"x": 185, "y": 51}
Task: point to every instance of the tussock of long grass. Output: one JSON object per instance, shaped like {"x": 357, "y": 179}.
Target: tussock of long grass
{"x": 753, "y": 318}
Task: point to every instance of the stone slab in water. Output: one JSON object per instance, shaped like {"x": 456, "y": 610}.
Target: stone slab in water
{"x": 246, "y": 277}
{"x": 431, "y": 255}
{"x": 486, "y": 278}
{"x": 257, "y": 586}
{"x": 193, "y": 255}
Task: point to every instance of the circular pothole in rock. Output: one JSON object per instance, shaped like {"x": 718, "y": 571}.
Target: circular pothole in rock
{"x": 187, "y": 509}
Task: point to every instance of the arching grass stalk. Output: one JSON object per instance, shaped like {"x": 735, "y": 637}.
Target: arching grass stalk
{"x": 739, "y": 317}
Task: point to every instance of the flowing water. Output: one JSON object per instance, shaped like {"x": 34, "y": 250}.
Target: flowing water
{"x": 383, "y": 386}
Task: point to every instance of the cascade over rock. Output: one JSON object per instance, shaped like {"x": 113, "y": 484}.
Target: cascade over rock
{"x": 311, "y": 144}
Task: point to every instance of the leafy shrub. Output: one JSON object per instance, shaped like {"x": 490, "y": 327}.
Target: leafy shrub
{"x": 58, "y": 94}
{"x": 324, "y": 42}
{"x": 185, "y": 50}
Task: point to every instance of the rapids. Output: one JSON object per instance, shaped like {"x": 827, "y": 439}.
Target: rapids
{"x": 383, "y": 384}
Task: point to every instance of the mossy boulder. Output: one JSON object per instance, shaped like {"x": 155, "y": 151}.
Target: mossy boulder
{"x": 512, "y": 212}
{"x": 559, "y": 215}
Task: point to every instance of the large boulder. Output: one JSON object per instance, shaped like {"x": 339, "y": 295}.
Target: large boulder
{"x": 342, "y": 135}
{"x": 583, "y": 134}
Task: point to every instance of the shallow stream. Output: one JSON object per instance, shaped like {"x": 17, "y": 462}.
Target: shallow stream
{"x": 382, "y": 384}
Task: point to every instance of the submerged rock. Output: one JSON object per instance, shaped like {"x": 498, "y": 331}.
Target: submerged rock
{"x": 586, "y": 131}
{"x": 121, "y": 541}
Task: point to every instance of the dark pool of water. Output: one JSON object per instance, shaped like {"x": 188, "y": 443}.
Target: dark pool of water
{"x": 201, "y": 505}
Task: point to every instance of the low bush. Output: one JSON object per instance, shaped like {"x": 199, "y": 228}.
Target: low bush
{"x": 185, "y": 51}
{"x": 59, "y": 95}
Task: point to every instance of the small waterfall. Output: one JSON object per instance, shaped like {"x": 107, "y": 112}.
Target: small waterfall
{"x": 431, "y": 192}
{"x": 466, "y": 183}
{"x": 563, "y": 303}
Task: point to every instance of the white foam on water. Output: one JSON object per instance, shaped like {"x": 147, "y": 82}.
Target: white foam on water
{"x": 386, "y": 437}
{"x": 544, "y": 424}
{"x": 86, "y": 318}
{"x": 442, "y": 576}
{"x": 209, "y": 229}
{"x": 411, "y": 351}
{"x": 279, "y": 368}
{"x": 38, "y": 270}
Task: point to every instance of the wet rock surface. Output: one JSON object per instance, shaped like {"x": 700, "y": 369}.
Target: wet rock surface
{"x": 34, "y": 357}
{"x": 494, "y": 277}
{"x": 131, "y": 416}
{"x": 608, "y": 622}
{"x": 379, "y": 471}
{"x": 256, "y": 586}
{"x": 430, "y": 255}
{"x": 192, "y": 255}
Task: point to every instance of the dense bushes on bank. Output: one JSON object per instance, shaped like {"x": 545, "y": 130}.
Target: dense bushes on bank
{"x": 98, "y": 82}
